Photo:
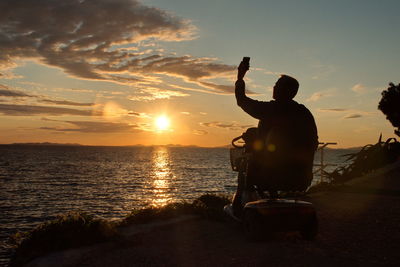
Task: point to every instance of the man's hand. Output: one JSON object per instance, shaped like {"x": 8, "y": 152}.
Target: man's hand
{"x": 242, "y": 69}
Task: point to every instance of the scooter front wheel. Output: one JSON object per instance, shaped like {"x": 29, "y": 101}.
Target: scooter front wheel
{"x": 252, "y": 225}
{"x": 310, "y": 230}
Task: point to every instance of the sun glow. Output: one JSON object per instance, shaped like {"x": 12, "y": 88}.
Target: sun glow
{"x": 162, "y": 123}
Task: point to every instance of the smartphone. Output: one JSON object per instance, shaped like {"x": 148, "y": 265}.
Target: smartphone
{"x": 246, "y": 60}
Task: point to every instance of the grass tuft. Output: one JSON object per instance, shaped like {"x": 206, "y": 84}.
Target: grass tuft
{"x": 150, "y": 214}
{"x": 211, "y": 206}
{"x": 368, "y": 159}
{"x": 208, "y": 206}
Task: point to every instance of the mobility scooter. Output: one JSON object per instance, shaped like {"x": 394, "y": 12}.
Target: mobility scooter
{"x": 266, "y": 209}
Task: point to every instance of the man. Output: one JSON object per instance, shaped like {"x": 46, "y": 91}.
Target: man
{"x": 288, "y": 135}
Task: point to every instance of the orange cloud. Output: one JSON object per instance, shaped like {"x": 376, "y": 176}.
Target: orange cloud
{"x": 31, "y": 110}
{"x": 85, "y": 41}
{"x": 94, "y": 127}
{"x": 317, "y": 96}
{"x": 358, "y": 88}
{"x": 200, "y": 132}
{"x": 229, "y": 125}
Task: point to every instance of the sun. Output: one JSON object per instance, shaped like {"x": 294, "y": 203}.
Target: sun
{"x": 162, "y": 123}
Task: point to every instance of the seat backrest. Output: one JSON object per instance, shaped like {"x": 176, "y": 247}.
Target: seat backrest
{"x": 280, "y": 165}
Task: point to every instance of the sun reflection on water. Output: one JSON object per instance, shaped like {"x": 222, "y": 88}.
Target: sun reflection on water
{"x": 161, "y": 177}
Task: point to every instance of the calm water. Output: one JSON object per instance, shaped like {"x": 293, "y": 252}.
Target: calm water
{"x": 39, "y": 182}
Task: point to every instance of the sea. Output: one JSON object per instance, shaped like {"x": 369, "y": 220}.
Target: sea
{"x": 39, "y": 182}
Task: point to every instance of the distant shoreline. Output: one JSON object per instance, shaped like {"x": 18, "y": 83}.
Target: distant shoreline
{"x": 140, "y": 145}
{"x": 73, "y": 144}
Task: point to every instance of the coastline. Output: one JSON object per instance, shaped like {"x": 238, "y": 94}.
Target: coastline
{"x": 356, "y": 228}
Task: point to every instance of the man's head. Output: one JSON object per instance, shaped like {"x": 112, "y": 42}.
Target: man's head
{"x": 285, "y": 88}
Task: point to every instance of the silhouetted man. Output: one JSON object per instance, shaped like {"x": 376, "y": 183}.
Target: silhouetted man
{"x": 283, "y": 159}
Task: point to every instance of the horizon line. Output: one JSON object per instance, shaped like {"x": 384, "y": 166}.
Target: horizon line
{"x": 140, "y": 145}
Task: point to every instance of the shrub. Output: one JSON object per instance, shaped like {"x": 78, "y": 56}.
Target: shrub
{"x": 389, "y": 105}
{"x": 67, "y": 231}
{"x": 158, "y": 213}
{"x": 209, "y": 206}
{"x": 369, "y": 158}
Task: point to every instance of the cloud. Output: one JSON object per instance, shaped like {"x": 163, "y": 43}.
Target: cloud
{"x": 351, "y": 113}
{"x": 187, "y": 67}
{"x": 229, "y": 126}
{"x": 199, "y": 132}
{"x": 138, "y": 114}
{"x": 7, "y": 92}
{"x": 66, "y": 103}
{"x": 193, "y": 70}
{"x": 332, "y": 109}
{"x": 317, "y": 96}
{"x": 94, "y": 127}
{"x": 358, "y": 88}
{"x": 353, "y": 116}
{"x": 268, "y": 72}
{"x": 75, "y": 90}
{"x": 88, "y": 28}
{"x": 104, "y": 40}
{"x": 152, "y": 93}
{"x": 227, "y": 89}
{"x": 7, "y": 74}
{"x": 30, "y": 110}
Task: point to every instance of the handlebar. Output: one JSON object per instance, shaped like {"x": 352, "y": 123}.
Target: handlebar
{"x": 234, "y": 140}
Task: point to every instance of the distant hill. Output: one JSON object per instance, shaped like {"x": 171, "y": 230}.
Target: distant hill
{"x": 76, "y": 144}
{"x": 43, "y": 144}
{"x": 140, "y": 145}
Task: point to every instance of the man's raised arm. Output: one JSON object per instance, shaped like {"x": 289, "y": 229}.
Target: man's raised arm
{"x": 252, "y": 107}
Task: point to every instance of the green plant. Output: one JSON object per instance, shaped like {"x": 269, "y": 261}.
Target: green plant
{"x": 150, "y": 214}
{"x": 369, "y": 158}
{"x": 66, "y": 231}
{"x": 208, "y": 206}
{"x": 389, "y": 105}
{"x": 211, "y": 206}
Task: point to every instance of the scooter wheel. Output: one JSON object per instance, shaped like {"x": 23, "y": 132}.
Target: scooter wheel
{"x": 310, "y": 231}
{"x": 252, "y": 225}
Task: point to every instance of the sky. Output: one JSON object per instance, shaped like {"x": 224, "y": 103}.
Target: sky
{"x": 103, "y": 72}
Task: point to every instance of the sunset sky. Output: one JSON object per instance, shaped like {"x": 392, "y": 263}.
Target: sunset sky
{"x": 124, "y": 72}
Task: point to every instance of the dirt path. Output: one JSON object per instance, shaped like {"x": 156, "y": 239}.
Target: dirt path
{"x": 359, "y": 226}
